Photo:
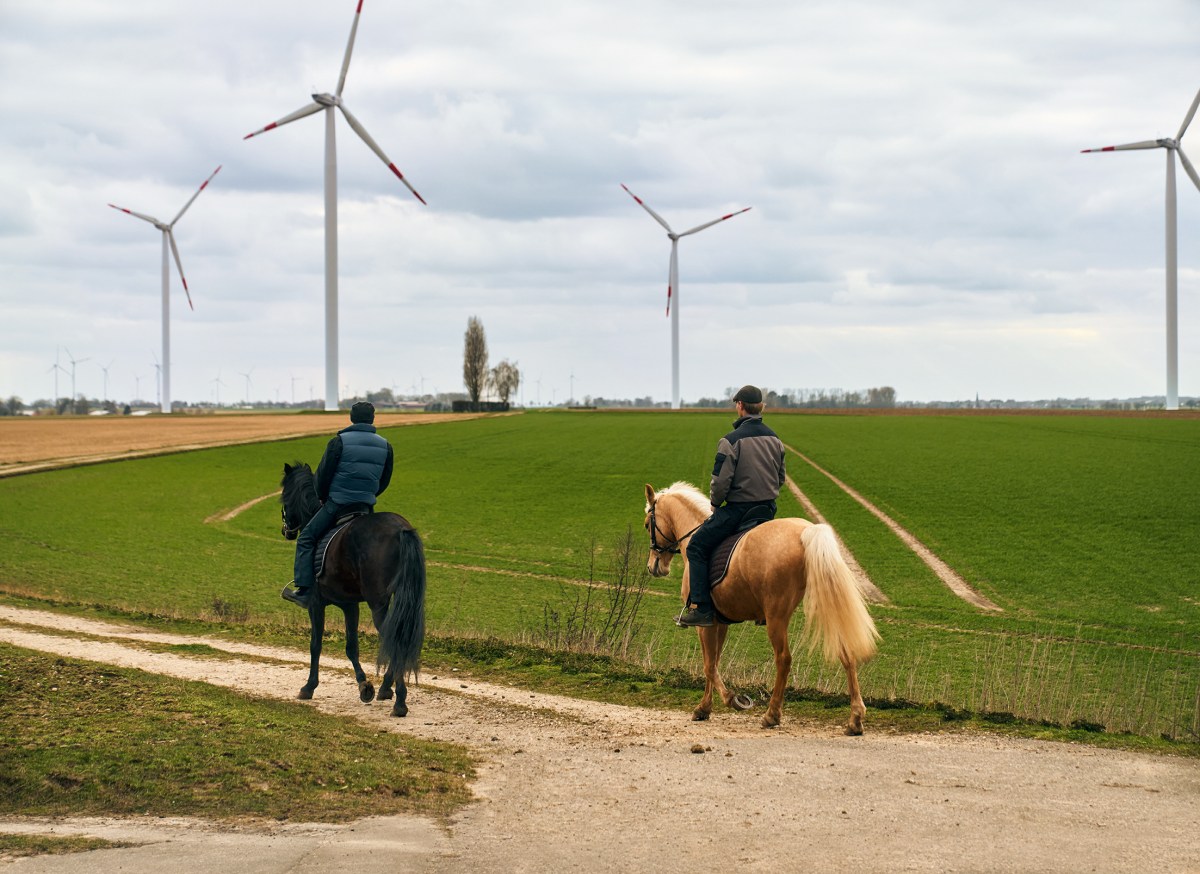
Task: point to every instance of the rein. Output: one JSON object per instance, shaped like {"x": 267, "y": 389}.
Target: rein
{"x": 673, "y": 546}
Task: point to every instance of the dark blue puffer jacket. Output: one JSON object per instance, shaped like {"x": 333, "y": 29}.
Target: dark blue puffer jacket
{"x": 356, "y": 466}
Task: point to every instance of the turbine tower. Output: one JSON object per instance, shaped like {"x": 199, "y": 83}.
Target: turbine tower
{"x": 168, "y": 238}
{"x": 328, "y": 102}
{"x": 673, "y": 284}
{"x": 1171, "y": 146}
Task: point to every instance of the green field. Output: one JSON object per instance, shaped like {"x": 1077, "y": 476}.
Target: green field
{"x": 1080, "y": 528}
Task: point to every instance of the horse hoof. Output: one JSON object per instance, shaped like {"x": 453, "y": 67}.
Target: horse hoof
{"x": 305, "y": 694}
{"x": 366, "y": 692}
{"x": 699, "y": 715}
{"x": 854, "y": 729}
{"x": 741, "y": 702}
{"x": 770, "y": 722}
{"x": 385, "y": 694}
{"x": 399, "y": 709}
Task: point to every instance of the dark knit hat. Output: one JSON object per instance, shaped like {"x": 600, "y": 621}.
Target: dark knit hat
{"x": 748, "y": 394}
{"x": 362, "y": 413}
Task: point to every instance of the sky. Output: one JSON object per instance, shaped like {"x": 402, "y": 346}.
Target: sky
{"x": 921, "y": 216}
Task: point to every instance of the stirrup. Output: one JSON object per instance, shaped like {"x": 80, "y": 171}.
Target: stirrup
{"x": 294, "y": 595}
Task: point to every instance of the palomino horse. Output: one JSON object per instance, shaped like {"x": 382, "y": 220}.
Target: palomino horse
{"x": 776, "y": 566}
{"x": 377, "y": 558}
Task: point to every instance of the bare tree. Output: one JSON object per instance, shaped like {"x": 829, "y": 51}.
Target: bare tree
{"x": 505, "y": 379}
{"x": 475, "y": 360}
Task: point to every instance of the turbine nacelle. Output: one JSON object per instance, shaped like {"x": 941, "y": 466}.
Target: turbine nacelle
{"x": 327, "y": 100}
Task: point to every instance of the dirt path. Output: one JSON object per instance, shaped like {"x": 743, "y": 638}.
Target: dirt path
{"x": 575, "y": 786}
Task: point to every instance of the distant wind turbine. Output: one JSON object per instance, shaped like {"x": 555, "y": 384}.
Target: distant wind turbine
{"x": 217, "y": 383}
{"x": 56, "y": 367}
{"x": 168, "y": 238}
{"x": 74, "y": 361}
{"x": 247, "y": 376}
{"x": 105, "y": 369}
{"x": 328, "y": 102}
{"x": 673, "y": 283}
{"x": 1172, "y": 146}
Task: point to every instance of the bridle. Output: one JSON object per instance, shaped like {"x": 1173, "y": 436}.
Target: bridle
{"x": 289, "y": 532}
{"x": 671, "y": 548}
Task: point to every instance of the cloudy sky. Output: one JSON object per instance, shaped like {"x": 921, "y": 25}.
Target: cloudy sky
{"x": 922, "y": 216}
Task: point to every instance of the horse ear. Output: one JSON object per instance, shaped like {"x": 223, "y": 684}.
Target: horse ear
{"x": 287, "y": 468}
{"x": 649, "y": 494}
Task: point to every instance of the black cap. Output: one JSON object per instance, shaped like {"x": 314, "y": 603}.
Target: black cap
{"x": 748, "y": 394}
{"x": 362, "y": 412}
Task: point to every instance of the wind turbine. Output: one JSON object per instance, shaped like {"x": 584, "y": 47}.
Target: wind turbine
{"x": 74, "y": 361}
{"x": 217, "y": 383}
{"x": 247, "y": 375}
{"x": 105, "y": 369}
{"x": 168, "y": 238}
{"x": 1172, "y": 146}
{"x": 328, "y": 102}
{"x": 673, "y": 283}
{"x": 56, "y": 367}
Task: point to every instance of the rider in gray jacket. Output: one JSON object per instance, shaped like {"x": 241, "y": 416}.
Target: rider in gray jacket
{"x": 355, "y": 469}
{"x": 748, "y": 473}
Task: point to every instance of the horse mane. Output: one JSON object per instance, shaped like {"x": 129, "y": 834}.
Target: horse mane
{"x": 298, "y": 490}
{"x": 687, "y": 492}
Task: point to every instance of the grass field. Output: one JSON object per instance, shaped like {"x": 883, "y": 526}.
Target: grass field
{"x": 1078, "y": 527}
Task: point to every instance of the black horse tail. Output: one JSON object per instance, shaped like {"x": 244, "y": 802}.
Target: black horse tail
{"x": 403, "y": 631}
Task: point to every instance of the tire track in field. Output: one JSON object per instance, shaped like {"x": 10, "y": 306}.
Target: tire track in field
{"x": 943, "y": 571}
{"x": 870, "y": 591}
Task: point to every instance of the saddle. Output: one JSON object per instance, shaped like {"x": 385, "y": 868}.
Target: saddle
{"x": 723, "y": 555}
{"x": 349, "y": 513}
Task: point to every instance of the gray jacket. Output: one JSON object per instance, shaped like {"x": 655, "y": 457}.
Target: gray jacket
{"x": 750, "y": 464}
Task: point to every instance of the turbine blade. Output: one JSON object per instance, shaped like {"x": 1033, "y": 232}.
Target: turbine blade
{"x": 658, "y": 218}
{"x": 673, "y": 275}
{"x": 1187, "y": 119}
{"x": 299, "y": 113}
{"x": 366, "y": 138}
{"x": 1145, "y": 144}
{"x": 203, "y": 185}
{"x": 179, "y": 264}
{"x": 1187, "y": 166}
{"x": 142, "y": 216}
{"x": 349, "y": 50}
{"x": 715, "y": 221}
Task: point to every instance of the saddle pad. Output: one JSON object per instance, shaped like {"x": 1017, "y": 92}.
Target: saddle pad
{"x": 719, "y": 563}
{"x": 323, "y": 545}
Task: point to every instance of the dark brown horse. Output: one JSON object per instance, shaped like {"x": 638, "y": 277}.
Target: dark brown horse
{"x": 776, "y": 567}
{"x": 379, "y": 559}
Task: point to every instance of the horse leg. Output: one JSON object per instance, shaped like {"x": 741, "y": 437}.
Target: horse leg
{"x": 366, "y": 691}
{"x": 385, "y": 687}
{"x": 400, "y": 708}
{"x": 777, "y": 633}
{"x": 316, "y": 619}
{"x": 711, "y": 639}
{"x": 857, "y": 708}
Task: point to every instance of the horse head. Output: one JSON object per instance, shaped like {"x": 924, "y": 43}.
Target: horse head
{"x": 298, "y": 497}
{"x": 669, "y": 521}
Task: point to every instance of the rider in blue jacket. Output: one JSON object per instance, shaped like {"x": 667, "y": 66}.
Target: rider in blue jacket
{"x": 355, "y": 470}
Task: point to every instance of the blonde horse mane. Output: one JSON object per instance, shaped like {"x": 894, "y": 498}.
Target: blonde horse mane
{"x": 687, "y": 492}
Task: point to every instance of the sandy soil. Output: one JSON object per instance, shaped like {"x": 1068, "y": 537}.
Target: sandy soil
{"x": 577, "y": 786}
{"x": 30, "y": 443}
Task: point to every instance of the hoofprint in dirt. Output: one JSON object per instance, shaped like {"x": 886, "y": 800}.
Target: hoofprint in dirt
{"x": 571, "y": 785}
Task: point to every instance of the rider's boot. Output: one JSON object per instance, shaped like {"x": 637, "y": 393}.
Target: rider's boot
{"x": 297, "y": 595}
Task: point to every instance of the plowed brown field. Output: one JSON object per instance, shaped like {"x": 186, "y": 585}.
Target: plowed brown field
{"x": 35, "y": 443}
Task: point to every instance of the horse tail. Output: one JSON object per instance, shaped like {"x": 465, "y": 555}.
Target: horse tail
{"x": 835, "y": 614}
{"x": 403, "y": 630}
